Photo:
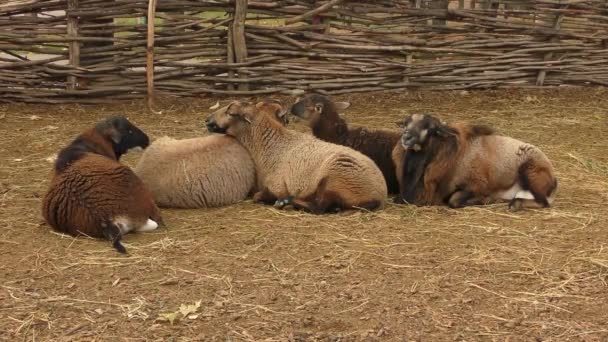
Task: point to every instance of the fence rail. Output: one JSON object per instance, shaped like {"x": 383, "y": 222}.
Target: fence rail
{"x": 61, "y": 51}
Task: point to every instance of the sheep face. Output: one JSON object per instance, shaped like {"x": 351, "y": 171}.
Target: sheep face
{"x": 312, "y": 105}
{"x": 419, "y": 128}
{"x": 231, "y": 119}
{"x": 239, "y": 115}
{"x": 123, "y": 135}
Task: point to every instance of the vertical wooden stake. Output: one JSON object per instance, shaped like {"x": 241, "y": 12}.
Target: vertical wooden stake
{"x": 150, "y": 54}
{"x": 230, "y": 55}
{"x": 73, "y": 45}
{"x": 238, "y": 37}
{"x": 540, "y": 79}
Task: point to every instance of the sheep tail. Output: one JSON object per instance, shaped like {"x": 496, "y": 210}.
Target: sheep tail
{"x": 114, "y": 234}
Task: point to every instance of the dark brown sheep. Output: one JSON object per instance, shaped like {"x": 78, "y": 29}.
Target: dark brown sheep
{"x": 326, "y": 124}
{"x": 92, "y": 194}
{"x": 465, "y": 164}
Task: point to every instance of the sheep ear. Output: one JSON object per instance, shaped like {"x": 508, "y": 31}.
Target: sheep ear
{"x": 114, "y": 134}
{"x": 442, "y": 131}
{"x": 341, "y": 105}
{"x": 233, "y": 108}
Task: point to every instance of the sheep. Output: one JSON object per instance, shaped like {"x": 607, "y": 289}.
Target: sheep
{"x": 326, "y": 124}
{"x": 203, "y": 172}
{"x": 92, "y": 194}
{"x": 298, "y": 169}
{"x": 465, "y": 164}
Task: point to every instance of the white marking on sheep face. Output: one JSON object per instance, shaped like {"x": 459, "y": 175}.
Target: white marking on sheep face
{"x": 423, "y": 135}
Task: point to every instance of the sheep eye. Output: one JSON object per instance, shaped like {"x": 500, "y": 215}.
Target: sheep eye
{"x": 130, "y": 131}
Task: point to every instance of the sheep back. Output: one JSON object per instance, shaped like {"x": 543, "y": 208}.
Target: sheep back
{"x": 93, "y": 191}
{"x": 202, "y": 172}
{"x": 302, "y": 163}
{"x": 498, "y": 160}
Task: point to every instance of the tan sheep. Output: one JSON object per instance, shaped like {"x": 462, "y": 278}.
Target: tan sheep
{"x": 298, "y": 169}
{"x": 203, "y": 172}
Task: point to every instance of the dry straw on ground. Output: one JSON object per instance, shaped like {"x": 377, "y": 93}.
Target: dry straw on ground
{"x": 473, "y": 274}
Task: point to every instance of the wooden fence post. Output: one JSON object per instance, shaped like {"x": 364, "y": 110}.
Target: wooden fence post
{"x": 150, "y": 54}
{"x": 557, "y": 23}
{"x": 439, "y": 4}
{"x": 73, "y": 45}
{"x": 238, "y": 38}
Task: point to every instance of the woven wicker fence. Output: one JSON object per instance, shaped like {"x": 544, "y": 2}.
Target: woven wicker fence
{"x": 60, "y": 51}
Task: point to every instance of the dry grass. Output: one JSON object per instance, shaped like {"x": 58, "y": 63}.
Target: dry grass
{"x": 410, "y": 273}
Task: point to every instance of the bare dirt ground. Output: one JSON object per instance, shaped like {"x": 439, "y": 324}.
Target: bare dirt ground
{"x": 404, "y": 273}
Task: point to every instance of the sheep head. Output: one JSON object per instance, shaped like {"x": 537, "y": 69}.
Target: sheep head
{"x": 312, "y": 106}
{"x": 419, "y": 128}
{"x": 122, "y": 134}
{"x": 273, "y": 108}
{"x": 230, "y": 119}
{"x": 239, "y": 114}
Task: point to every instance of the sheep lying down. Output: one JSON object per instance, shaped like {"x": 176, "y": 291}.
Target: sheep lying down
{"x": 204, "y": 172}
{"x": 297, "y": 169}
{"x": 92, "y": 194}
{"x": 465, "y": 164}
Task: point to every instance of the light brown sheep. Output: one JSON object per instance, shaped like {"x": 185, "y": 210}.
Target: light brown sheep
{"x": 298, "y": 169}
{"x": 205, "y": 172}
{"x": 326, "y": 124}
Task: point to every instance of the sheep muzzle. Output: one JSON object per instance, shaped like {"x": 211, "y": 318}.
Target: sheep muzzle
{"x": 213, "y": 127}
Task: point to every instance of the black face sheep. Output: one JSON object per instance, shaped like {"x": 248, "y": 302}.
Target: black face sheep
{"x": 326, "y": 124}
{"x": 91, "y": 193}
{"x": 204, "y": 172}
{"x": 297, "y": 169}
{"x": 466, "y": 164}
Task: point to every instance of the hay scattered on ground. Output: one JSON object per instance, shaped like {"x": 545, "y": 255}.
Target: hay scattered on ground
{"x": 404, "y": 272}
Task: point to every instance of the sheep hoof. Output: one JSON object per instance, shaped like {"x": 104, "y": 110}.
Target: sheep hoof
{"x": 516, "y": 204}
{"x": 282, "y": 203}
{"x": 398, "y": 199}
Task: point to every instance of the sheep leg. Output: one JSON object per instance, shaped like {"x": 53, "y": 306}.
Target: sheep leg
{"x": 460, "y": 198}
{"x": 150, "y": 225}
{"x": 317, "y": 205}
{"x": 320, "y": 202}
{"x": 538, "y": 180}
{"x": 113, "y": 233}
{"x": 265, "y": 197}
{"x": 283, "y": 202}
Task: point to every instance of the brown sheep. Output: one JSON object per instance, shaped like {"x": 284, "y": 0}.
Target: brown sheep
{"x": 203, "y": 172}
{"x": 297, "y": 169}
{"x": 470, "y": 164}
{"x": 92, "y": 194}
{"x": 326, "y": 124}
